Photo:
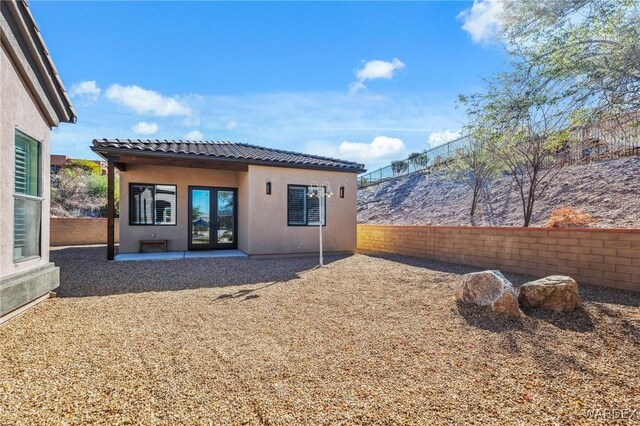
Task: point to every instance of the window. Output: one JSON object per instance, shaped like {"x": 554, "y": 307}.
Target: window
{"x": 27, "y": 208}
{"x": 303, "y": 210}
{"x": 152, "y": 204}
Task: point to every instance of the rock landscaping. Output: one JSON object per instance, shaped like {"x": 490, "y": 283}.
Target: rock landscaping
{"x": 557, "y": 293}
{"x": 367, "y": 339}
{"x": 489, "y": 288}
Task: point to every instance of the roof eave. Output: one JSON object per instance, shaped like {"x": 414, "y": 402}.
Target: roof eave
{"x": 56, "y": 105}
{"x": 106, "y": 152}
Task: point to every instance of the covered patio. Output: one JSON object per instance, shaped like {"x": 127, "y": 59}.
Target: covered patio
{"x": 186, "y": 196}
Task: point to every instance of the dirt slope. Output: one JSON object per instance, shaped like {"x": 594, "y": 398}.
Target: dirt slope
{"x": 609, "y": 191}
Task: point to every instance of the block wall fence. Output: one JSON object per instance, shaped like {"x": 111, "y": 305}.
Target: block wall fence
{"x": 79, "y": 231}
{"x": 605, "y": 257}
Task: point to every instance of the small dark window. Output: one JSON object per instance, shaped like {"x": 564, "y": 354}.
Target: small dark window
{"x": 152, "y": 204}
{"x": 303, "y": 210}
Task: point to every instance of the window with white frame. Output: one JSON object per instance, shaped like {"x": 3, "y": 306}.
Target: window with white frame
{"x": 27, "y": 207}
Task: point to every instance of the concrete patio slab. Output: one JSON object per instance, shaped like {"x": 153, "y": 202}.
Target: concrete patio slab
{"x": 171, "y": 255}
{"x": 175, "y": 255}
{"x": 214, "y": 253}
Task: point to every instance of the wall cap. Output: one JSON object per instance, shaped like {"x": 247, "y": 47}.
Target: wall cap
{"x": 507, "y": 228}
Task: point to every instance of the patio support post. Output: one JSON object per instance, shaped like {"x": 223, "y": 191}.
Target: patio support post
{"x": 110, "y": 209}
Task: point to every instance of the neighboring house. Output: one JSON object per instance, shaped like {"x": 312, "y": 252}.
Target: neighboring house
{"x": 32, "y": 101}
{"x": 222, "y": 195}
{"x": 59, "y": 161}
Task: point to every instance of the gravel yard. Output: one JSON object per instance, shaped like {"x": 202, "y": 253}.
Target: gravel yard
{"x": 368, "y": 339}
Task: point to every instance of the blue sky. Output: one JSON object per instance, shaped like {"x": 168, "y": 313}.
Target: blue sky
{"x": 369, "y": 82}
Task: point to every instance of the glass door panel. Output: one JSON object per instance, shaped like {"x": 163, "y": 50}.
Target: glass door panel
{"x": 225, "y": 217}
{"x": 212, "y": 218}
{"x": 201, "y": 217}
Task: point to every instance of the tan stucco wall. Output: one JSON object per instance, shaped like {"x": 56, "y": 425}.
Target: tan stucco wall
{"x": 176, "y": 236}
{"x": 19, "y": 110}
{"x": 262, "y": 219}
{"x": 243, "y": 212}
{"x": 268, "y": 230}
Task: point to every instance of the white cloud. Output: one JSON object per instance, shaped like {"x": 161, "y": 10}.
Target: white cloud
{"x": 373, "y": 70}
{"x": 381, "y": 148}
{"x": 482, "y": 20}
{"x": 144, "y": 128}
{"x": 194, "y": 135}
{"x": 313, "y": 122}
{"x": 232, "y": 124}
{"x": 145, "y": 101}
{"x": 438, "y": 138}
{"x": 88, "y": 89}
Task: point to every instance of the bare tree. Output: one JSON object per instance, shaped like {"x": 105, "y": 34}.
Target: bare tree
{"x": 475, "y": 165}
{"x": 530, "y": 154}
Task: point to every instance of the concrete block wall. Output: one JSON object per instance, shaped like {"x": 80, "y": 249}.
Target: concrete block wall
{"x": 80, "y": 231}
{"x": 606, "y": 257}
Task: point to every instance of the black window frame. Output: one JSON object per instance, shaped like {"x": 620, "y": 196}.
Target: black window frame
{"x": 307, "y": 190}
{"x": 132, "y": 184}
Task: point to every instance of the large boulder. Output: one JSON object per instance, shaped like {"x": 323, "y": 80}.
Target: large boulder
{"x": 557, "y": 293}
{"x": 489, "y": 288}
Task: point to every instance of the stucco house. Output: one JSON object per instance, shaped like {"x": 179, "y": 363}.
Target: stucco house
{"x": 223, "y": 195}
{"x": 32, "y": 101}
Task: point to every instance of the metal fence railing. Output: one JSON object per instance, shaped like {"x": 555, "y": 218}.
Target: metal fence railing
{"x": 430, "y": 158}
{"x": 595, "y": 142}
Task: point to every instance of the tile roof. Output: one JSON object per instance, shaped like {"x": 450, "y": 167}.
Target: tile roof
{"x": 226, "y": 151}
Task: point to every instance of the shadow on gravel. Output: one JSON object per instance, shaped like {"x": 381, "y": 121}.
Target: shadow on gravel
{"x": 589, "y": 293}
{"x": 482, "y": 317}
{"x": 246, "y": 294}
{"x": 450, "y": 268}
{"x": 579, "y": 320}
{"x": 84, "y": 271}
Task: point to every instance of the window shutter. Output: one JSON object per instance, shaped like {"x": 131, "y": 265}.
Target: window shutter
{"x": 165, "y": 202}
{"x": 152, "y": 204}
{"x": 26, "y": 166}
{"x": 27, "y": 210}
{"x": 21, "y": 167}
{"x": 141, "y": 205}
{"x": 297, "y": 205}
{"x": 313, "y": 210}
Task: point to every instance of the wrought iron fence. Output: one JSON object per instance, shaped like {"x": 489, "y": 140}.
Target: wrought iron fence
{"x": 428, "y": 159}
{"x": 594, "y": 142}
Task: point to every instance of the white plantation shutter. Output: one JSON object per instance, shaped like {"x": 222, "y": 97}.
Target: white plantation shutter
{"x": 297, "y": 205}
{"x": 27, "y": 210}
{"x": 313, "y": 210}
{"x": 152, "y": 204}
{"x": 302, "y": 209}
{"x": 164, "y": 205}
{"x": 21, "y": 167}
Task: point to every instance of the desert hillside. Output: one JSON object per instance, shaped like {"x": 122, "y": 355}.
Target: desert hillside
{"x": 609, "y": 191}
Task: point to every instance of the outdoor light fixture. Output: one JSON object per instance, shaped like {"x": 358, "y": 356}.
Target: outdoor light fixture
{"x": 268, "y": 188}
{"x": 322, "y": 191}
{"x": 342, "y": 192}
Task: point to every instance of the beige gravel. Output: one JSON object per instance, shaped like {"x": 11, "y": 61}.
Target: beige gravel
{"x": 364, "y": 340}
